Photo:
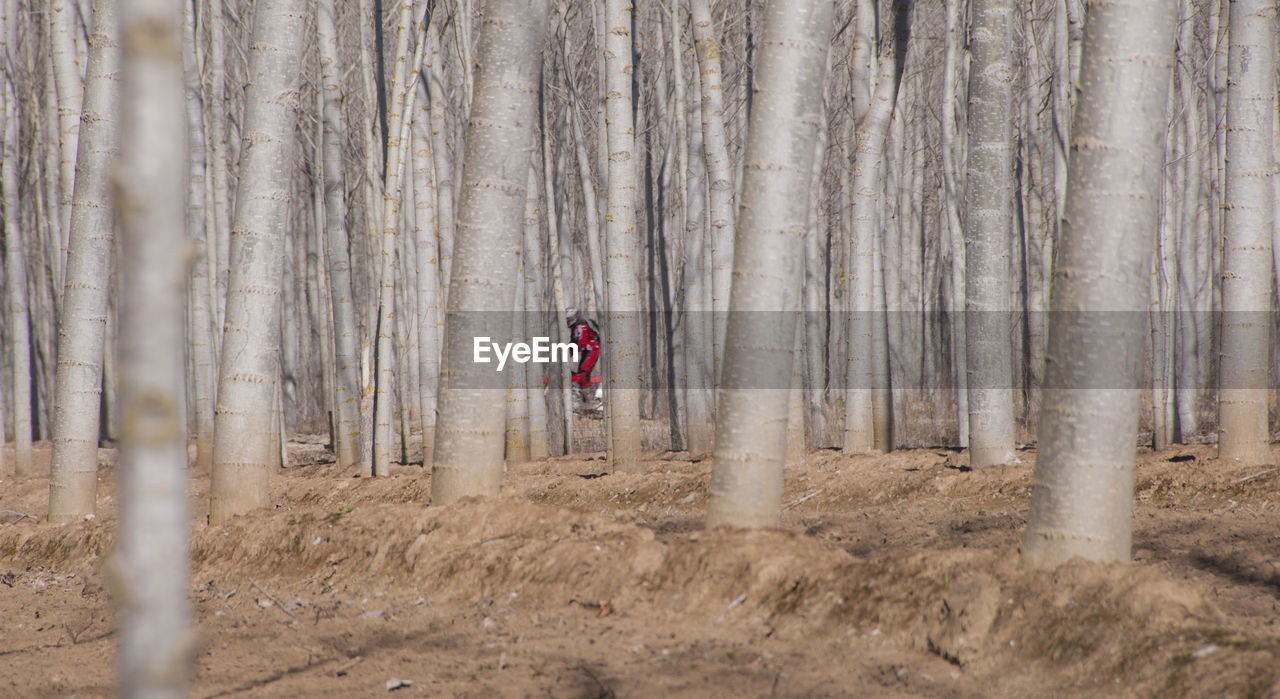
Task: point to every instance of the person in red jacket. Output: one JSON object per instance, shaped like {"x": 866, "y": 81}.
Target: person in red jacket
{"x": 584, "y": 334}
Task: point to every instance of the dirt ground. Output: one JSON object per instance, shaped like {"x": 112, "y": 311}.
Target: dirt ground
{"x": 893, "y": 575}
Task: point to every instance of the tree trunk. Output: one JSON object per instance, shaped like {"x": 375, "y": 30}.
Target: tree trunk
{"x": 244, "y": 431}
{"x": 1082, "y": 497}
{"x": 468, "y": 458}
{"x": 66, "y": 77}
{"x": 345, "y": 329}
{"x": 425, "y": 223}
{"x": 622, "y": 327}
{"x": 955, "y": 230}
{"x": 988, "y": 230}
{"x": 751, "y": 424}
{"x": 73, "y": 480}
{"x": 872, "y": 133}
{"x": 157, "y": 639}
{"x": 401, "y": 106}
{"x": 15, "y": 258}
{"x": 531, "y": 311}
{"x": 200, "y": 333}
{"x": 1249, "y": 205}
{"x": 719, "y": 173}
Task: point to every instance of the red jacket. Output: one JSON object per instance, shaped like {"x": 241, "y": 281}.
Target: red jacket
{"x": 584, "y": 335}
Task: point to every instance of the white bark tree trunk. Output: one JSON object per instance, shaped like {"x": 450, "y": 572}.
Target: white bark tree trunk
{"x": 469, "y": 443}
{"x": 345, "y": 328}
{"x": 751, "y": 424}
{"x": 622, "y": 327}
{"x": 1082, "y": 498}
{"x": 872, "y": 133}
{"x": 719, "y": 173}
{"x": 73, "y": 480}
{"x": 425, "y": 223}
{"x": 243, "y": 454}
{"x": 988, "y": 226}
{"x": 400, "y": 107}
{"x": 200, "y": 333}
{"x": 15, "y": 282}
{"x": 1247, "y": 264}
{"x": 157, "y": 640}
{"x": 67, "y": 79}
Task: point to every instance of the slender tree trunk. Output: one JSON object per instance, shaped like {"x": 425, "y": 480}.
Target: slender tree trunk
{"x": 244, "y": 431}
{"x": 15, "y": 257}
{"x": 531, "y": 313}
{"x": 719, "y": 172}
{"x": 561, "y": 267}
{"x": 220, "y": 234}
{"x": 988, "y": 220}
{"x": 200, "y": 329}
{"x": 66, "y": 77}
{"x": 468, "y": 459}
{"x": 751, "y": 424}
{"x": 955, "y": 230}
{"x": 1082, "y": 498}
{"x": 73, "y": 480}
{"x": 872, "y": 133}
{"x": 698, "y": 329}
{"x": 401, "y": 106}
{"x": 428, "y": 257}
{"x": 345, "y": 329}
{"x": 1247, "y": 264}
{"x": 438, "y": 92}
{"x": 157, "y": 640}
{"x": 622, "y": 329}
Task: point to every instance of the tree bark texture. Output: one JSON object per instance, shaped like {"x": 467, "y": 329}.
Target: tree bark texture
{"x": 244, "y": 432}
{"x": 751, "y": 423}
{"x": 73, "y": 480}
{"x": 1082, "y": 498}
{"x": 469, "y": 434}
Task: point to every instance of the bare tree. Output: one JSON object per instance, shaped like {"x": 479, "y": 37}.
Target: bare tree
{"x": 1249, "y": 205}
{"x": 1082, "y": 499}
{"x": 622, "y": 283}
{"x": 201, "y": 333}
{"x": 70, "y": 94}
{"x": 245, "y": 448}
{"x": 860, "y": 429}
{"x": 19, "y": 329}
{"x": 73, "y": 480}
{"x": 469, "y": 434}
{"x": 157, "y": 642}
{"x": 719, "y": 171}
{"x": 988, "y": 226}
{"x": 404, "y": 76}
{"x": 751, "y": 424}
{"x": 346, "y": 356}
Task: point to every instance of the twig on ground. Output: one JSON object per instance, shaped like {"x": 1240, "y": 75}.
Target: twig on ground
{"x": 1257, "y": 475}
{"x": 21, "y": 515}
{"x": 797, "y": 501}
{"x": 273, "y": 599}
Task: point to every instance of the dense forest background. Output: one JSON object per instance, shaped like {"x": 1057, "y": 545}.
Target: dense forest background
{"x": 694, "y": 64}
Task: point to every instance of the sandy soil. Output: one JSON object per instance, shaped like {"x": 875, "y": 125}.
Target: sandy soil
{"x": 893, "y": 575}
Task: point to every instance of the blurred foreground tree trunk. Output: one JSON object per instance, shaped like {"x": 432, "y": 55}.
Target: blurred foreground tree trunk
{"x": 157, "y": 641}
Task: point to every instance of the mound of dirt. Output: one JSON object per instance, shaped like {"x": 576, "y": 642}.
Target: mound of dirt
{"x": 894, "y": 575}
